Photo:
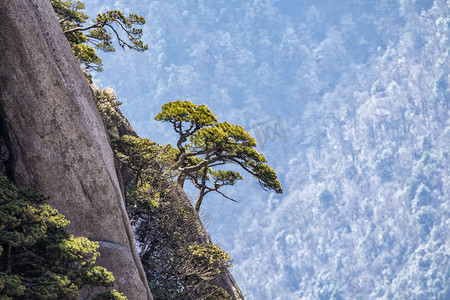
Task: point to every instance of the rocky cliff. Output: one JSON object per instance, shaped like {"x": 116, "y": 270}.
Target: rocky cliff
{"x": 118, "y": 126}
{"x": 55, "y": 141}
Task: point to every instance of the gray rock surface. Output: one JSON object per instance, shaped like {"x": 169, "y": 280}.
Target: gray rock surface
{"x": 57, "y": 143}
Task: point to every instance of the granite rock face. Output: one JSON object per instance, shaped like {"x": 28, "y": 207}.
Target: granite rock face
{"x": 56, "y": 143}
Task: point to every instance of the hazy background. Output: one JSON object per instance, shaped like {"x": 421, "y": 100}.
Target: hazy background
{"x": 349, "y": 101}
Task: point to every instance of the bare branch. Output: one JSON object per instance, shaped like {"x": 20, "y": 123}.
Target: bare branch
{"x": 226, "y": 196}
{"x": 63, "y": 20}
{"x": 121, "y": 42}
{"x": 217, "y": 164}
{"x": 202, "y": 164}
{"x": 242, "y": 166}
{"x": 96, "y": 25}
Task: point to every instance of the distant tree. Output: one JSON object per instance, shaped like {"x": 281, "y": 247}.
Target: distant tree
{"x": 205, "y": 143}
{"x": 99, "y": 35}
{"x": 38, "y": 258}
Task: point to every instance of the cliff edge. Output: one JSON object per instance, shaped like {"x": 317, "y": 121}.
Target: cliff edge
{"x": 54, "y": 141}
{"x": 118, "y": 126}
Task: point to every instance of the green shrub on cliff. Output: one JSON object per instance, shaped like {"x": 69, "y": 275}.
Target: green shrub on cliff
{"x": 166, "y": 230}
{"x": 178, "y": 260}
{"x": 38, "y": 258}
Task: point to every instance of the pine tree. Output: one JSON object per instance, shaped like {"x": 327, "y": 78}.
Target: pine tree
{"x": 205, "y": 143}
{"x": 100, "y": 34}
{"x": 38, "y": 258}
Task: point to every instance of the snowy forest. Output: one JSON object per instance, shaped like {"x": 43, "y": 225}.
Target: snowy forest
{"x": 360, "y": 91}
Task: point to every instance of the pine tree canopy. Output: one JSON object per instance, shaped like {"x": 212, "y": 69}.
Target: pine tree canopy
{"x": 100, "y": 34}
{"x": 205, "y": 143}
